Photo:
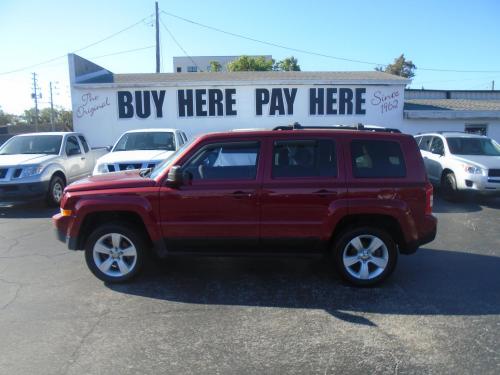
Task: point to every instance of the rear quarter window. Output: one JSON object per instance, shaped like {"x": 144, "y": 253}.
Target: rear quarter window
{"x": 377, "y": 159}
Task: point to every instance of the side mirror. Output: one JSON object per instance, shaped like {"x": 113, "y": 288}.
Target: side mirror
{"x": 108, "y": 148}
{"x": 175, "y": 176}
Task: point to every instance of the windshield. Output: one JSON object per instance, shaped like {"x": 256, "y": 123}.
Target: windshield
{"x": 473, "y": 146}
{"x": 32, "y": 144}
{"x": 146, "y": 141}
{"x": 166, "y": 163}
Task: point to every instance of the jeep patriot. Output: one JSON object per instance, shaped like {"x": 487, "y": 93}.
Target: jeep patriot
{"x": 360, "y": 196}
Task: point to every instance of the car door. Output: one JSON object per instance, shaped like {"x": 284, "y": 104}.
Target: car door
{"x": 87, "y": 155}
{"x": 303, "y": 180}
{"x": 425, "y": 146}
{"x": 217, "y": 207}
{"x": 75, "y": 160}
{"x": 435, "y": 159}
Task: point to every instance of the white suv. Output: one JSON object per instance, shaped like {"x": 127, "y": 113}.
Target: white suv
{"x": 461, "y": 161}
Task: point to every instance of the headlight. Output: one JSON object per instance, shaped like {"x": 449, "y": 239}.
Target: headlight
{"x": 31, "y": 171}
{"x": 472, "y": 169}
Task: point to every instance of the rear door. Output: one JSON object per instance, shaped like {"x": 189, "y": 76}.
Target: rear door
{"x": 87, "y": 155}
{"x": 303, "y": 181}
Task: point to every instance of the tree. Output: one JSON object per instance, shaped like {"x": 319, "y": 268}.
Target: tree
{"x": 288, "y": 64}
{"x": 5, "y": 118}
{"x": 215, "y": 66}
{"x": 29, "y": 116}
{"x": 400, "y": 67}
{"x": 248, "y": 63}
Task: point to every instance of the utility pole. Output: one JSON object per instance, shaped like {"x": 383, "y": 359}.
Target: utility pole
{"x": 52, "y": 125}
{"x": 157, "y": 39}
{"x": 34, "y": 95}
{"x": 493, "y": 85}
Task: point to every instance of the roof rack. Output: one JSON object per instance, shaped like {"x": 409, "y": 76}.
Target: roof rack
{"x": 297, "y": 126}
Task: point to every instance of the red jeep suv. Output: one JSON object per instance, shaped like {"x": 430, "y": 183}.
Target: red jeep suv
{"x": 361, "y": 196}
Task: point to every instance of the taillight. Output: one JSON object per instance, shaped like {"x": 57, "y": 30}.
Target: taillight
{"x": 429, "y": 198}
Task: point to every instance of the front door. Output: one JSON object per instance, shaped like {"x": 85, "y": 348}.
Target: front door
{"x": 217, "y": 208}
{"x": 301, "y": 186}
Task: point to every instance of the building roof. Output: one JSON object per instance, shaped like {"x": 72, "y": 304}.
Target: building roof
{"x": 451, "y": 105}
{"x": 374, "y": 77}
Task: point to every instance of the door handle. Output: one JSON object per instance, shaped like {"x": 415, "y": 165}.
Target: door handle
{"x": 82, "y": 158}
{"x": 241, "y": 194}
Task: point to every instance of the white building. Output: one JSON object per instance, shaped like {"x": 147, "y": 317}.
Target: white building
{"x": 105, "y": 104}
{"x": 194, "y": 64}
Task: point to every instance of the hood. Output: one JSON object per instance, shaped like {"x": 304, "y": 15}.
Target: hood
{"x": 485, "y": 162}
{"x": 116, "y": 180}
{"x": 135, "y": 156}
{"x": 24, "y": 159}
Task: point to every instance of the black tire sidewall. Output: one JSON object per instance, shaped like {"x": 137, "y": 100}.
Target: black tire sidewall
{"x": 348, "y": 235}
{"x": 131, "y": 234}
{"x": 50, "y": 196}
{"x": 449, "y": 189}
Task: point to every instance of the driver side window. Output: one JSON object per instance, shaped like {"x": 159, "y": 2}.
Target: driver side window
{"x": 72, "y": 146}
{"x": 226, "y": 161}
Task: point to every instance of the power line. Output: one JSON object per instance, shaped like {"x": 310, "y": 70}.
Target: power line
{"x": 179, "y": 45}
{"x": 78, "y": 50}
{"x": 122, "y": 52}
{"x": 313, "y": 52}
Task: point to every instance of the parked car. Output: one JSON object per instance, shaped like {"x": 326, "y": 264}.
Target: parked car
{"x": 139, "y": 149}
{"x": 361, "y": 196}
{"x": 461, "y": 162}
{"x": 39, "y": 165}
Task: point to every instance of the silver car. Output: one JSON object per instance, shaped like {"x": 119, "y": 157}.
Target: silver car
{"x": 461, "y": 162}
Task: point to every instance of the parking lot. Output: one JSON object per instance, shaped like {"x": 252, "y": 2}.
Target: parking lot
{"x": 438, "y": 313}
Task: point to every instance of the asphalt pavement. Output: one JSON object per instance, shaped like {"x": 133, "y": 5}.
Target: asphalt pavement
{"x": 438, "y": 313}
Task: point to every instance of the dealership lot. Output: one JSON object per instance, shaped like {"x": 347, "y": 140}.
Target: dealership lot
{"x": 439, "y": 312}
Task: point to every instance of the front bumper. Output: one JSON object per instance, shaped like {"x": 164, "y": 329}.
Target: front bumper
{"x": 478, "y": 183}
{"x": 61, "y": 224}
{"x": 23, "y": 192}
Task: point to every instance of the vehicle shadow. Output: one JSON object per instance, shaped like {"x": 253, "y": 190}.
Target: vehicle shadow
{"x": 27, "y": 211}
{"x": 430, "y": 282}
{"x": 466, "y": 203}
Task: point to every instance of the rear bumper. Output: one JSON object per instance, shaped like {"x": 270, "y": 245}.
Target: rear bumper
{"x": 61, "y": 224}
{"x": 427, "y": 234}
{"x": 17, "y": 193}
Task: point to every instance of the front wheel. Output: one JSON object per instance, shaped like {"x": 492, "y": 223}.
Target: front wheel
{"x": 449, "y": 189}
{"x": 56, "y": 189}
{"x": 365, "y": 256}
{"x": 115, "y": 253}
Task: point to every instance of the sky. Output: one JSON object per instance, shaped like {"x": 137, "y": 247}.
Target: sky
{"x": 441, "y": 35}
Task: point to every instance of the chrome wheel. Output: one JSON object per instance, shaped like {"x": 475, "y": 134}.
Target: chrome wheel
{"x": 57, "y": 192}
{"x": 365, "y": 257}
{"x": 114, "y": 255}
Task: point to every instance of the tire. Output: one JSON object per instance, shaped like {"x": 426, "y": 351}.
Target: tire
{"x": 105, "y": 251}
{"x": 359, "y": 265}
{"x": 449, "y": 190}
{"x": 55, "y": 192}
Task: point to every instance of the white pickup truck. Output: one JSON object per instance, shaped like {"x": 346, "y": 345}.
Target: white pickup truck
{"x": 140, "y": 149}
{"x": 40, "y": 165}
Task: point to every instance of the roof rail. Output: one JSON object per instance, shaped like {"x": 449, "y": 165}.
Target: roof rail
{"x": 359, "y": 126}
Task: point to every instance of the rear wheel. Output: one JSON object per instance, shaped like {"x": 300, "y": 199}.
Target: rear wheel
{"x": 365, "y": 256}
{"x": 449, "y": 189}
{"x": 55, "y": 192}
{"x": 115, "y": 253}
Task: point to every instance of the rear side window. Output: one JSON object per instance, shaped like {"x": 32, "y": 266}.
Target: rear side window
{"x": 72, "y": 146}
{"x": 84, "y": 143}
{"x": 377, "y": 159}
{"x": 304, "y": 158}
